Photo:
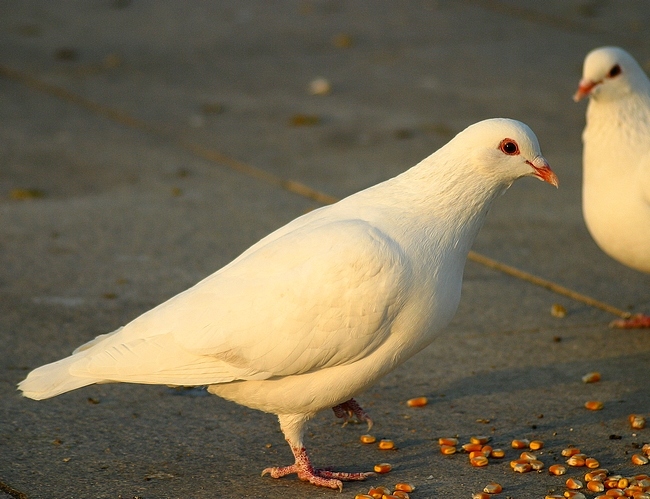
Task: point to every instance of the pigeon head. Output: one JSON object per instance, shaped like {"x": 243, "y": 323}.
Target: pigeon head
{"x": 610, "y": 73}
{"x": 506, "y": 150}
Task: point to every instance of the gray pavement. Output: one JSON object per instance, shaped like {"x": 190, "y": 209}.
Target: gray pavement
{"x": 103, "y": 108}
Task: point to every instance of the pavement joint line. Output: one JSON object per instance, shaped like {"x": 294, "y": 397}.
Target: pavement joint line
{"x": 17, "y": 494}
{"x": 292, "y": 186}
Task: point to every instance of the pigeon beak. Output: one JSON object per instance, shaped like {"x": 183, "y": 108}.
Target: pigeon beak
{"x": 542, "y": 171}
{"x": 584, "y": 89}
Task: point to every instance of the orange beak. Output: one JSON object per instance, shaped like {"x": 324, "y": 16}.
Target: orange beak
{"x": 584, "y": 89}
{"x": 543, "y": 172}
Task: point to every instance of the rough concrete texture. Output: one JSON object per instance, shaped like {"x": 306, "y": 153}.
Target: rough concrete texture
{"x": 127, "y": 129}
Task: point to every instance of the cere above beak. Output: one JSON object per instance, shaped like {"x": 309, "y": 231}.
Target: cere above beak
{"x": 584, "y": 89}
{"x": 543, "y": 172}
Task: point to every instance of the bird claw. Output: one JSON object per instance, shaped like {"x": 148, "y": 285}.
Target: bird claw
{"x": 349, "y": 409}
{"x": 637, "y": 321}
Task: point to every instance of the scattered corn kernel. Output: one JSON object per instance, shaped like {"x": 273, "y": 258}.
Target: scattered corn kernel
{"x": 389, "y": 496}
{"x": 479, "y": 461}
{"x": 479, "y": 439}
{"x": 594, "y": 405}
{"x": 417, "y": 402}
{"x": 386, "y": 444}
{"x": 637, "y": 422}
{"x": 595, "y": 486}
{"x": 486, "y": 450}
{"x": 592, "y": 463}
{"x": 515, "y": 462}
{"x": 382, "y": 468}
{"x": 623, "y": 483}
{"x": 405, "y": 487}
{"x": 614, "y": 493}
{"x": 570, "y": 451}
{"x": 447, "y": 450}
{"x": 378, "y": 492}
{"x": 367, "y": 439}
{"x": 493, "y": 488}
{"x": 599, "y": 475}
{"x": 574, "y": 494}
{"x": 363, "y": 496}
{"x": 497, "y": 453}
{"x": 573, "y": 484}
{"x": 611, "y": 482}
{"x": 558, "y": 311}
{"x": 472, "y": 447}
{"x": 480, "y": 495}
{"x": 447, "y": 441}
{"x": 639, "y": 459}
{"x": 401, "y": 494}
{"x": 319, "y": 86}
{"x": 591, "y": 377}
{"x": 536, "y": 445}
{"x": 476, "y": 453}
{"x": 557, "y": 469}
{"x": 553, "y": 496}
{"x": 576, "y": 461}
{"x": 536, "y": 464}
{"x": 646, "y": 449}
{"x": 527, "y": 456}
{"x": 522, "y": 467}
{"x": 520, "y": 443}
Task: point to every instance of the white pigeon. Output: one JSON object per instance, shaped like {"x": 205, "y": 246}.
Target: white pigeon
{"x": 323, "y": 307}
{"x": 616, "y": 159}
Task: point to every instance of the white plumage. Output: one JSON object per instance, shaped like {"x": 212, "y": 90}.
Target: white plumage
{"x": 323, "y": 307}
{"x": 616, "y": 158}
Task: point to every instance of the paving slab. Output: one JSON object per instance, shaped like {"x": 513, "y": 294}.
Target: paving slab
{"x": 136, "y": 133}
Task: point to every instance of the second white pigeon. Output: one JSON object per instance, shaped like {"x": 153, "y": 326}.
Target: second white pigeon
{"x": 616, "y": 159}
{"x": 322, "y": 308}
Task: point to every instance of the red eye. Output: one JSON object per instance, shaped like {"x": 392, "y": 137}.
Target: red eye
{"x": 509, "y": 147}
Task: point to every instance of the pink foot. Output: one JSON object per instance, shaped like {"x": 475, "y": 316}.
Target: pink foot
{"x": 637, "y": 321}
{"x": 351, "y": 408}
{"x": 306, "y": 472}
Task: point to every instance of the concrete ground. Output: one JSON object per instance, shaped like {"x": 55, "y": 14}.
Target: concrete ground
{"x": 144, "y": 144}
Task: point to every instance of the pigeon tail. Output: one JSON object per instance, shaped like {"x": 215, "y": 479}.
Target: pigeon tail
{"x": 53, "y": 379}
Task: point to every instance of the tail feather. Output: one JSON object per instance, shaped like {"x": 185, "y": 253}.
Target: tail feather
{"x": 53, "y": 379}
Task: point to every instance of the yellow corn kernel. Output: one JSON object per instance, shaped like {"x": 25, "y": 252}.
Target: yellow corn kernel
{"x": 599, "y": 474}
{"x": 367, "y": 439}
{"x": 479, "y": 439}
{"x": 386, "y": 444}
{"x": 363, "y": 496}
{"x": 378, "y": 492}
{"x": 497, "y": 453}
{"x": 595, "y": 486}
{"x": 592, "y": 463}
{"x": 479, "y": 461}
{"x": 639, "y": 459}
{"x": 591, "y": 377}
{"x": 570, "y": 451}
{"x": 486, "y": 450}
{"x": 405, "y": 487}
{"x": 536, "y": 464}
{"x": 576, "y": 461}
{"x": 573, "y": 484}
{"x": 401, "y": 494}
{"x": 480, "y": 495}
{"x": 493, "y": 488}
{"x": 522, "y": 467}
{"x": 614, "y": 493}
{"x": 520, "y": 443}
{"x": 623, "y": 483}
{"x": 382, "y": 468}
{"x": 637, "y": 422}
{"x": 447, "y": 450}
{"x": 448, "y": 441}
{"x": 536, "y": 445}
{"x": 476, "y": 453}
{"x": 594, "y": 405}
{"x": 527, "y": 456}
{"x": 515, "y": 462}
{"x": 417, "y": 402}
{"x": 557, "y": 469}
{"x": 472, "y": 447}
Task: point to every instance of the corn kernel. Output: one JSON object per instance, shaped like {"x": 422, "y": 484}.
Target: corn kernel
{"x": 576, "y": 461}
{"x": 479, "y": 439}
{"x": 472, "y": 447}
{"x": 594, "y": 405}
{"x": 574, "y": 494}
{"x": 557, "y": 469}
{"x": 476, "y": 453}
{"x": 536, "y": 445}
{"x": 447, "y": 450}
{"x": 479, "y": 461}
{"x": 367, "y": 439}
{"x": 592, "y": 463}
{"x": 363, "y": 496}
{"x": 637, "y": 422}
{"x": 646, "y": 449}
{"x": 389, "y": 496}
{"x": 553, "y": 496}
{"x": 595, "y": 486}
{"x": 520, "y": 443}
{"x": 599, "y": 475}
{"x": 493, "y": 488}
{"x": 623, "y": 483}
{"x": 386, "y": 444}
{"x": 591, "y": 377}
{"x": 378, "y": 492}
{"x": 527, "y": 456}
{"x": 417, "y": 402}
{"x": 615, "y": 493}
{"x": 480, "y": 495}
{"x": 497, "y": 453}
{"x": 639, "y": 459}
{"x": 536, "y": 464}
{"x": 486, "y": 450}
{"x": 401, "y": 494}
{"x": 405, "y": 487}
{"x": 522, "y": 467}
{"x": 448, "y": 441}
{"x": 574, "y": 484}
{"x": 382, "y": 468}
{"x": 570, "y": 451}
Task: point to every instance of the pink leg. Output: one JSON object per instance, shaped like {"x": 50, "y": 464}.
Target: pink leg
{"x": 306, "y": 472}
{"x": 351, "y": 408}
{"x": 637, "y": 321}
